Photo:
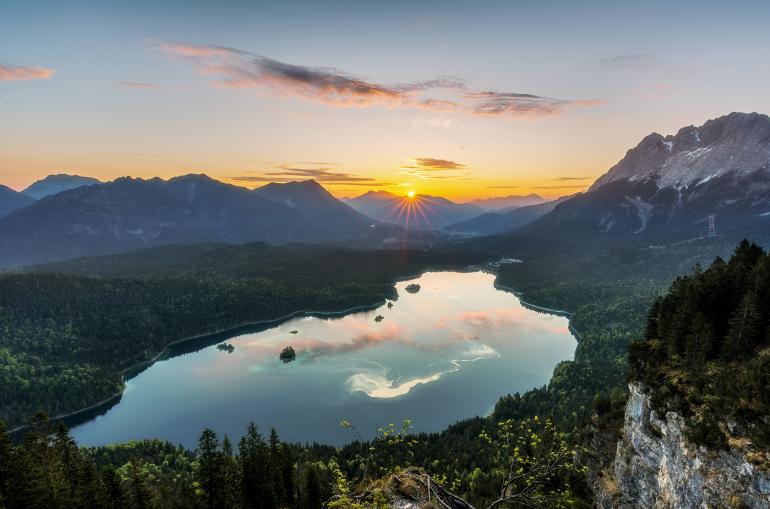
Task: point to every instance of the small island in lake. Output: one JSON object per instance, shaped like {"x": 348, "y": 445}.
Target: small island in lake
{"x": 226, "y": 347}
{"x": 390, "y": 304}
{"x": 379, "y": 318}
{"x": 288, "y": 354}
{"x": 293, "y": 332}
{"x": 413, "y": 288}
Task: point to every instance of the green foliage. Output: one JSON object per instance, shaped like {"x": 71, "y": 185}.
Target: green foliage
{"x": 48, "y": 470}
{"x": 706, "y": 349}
{"x": 532, "y": 464}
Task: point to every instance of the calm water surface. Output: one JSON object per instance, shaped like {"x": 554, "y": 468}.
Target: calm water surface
{"x": 442, "y": 354}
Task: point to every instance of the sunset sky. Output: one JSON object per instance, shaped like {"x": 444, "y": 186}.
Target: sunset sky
{"x": 461, "y": 99}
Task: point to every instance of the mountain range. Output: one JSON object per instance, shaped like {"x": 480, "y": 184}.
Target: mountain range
{"x": 507, "y": 219}
{"x": 672, "y": 188}
{"x": 664, "y": 189}
{"x": 674, "y": 183}
{"x": 130, "y": 213}
{"x": 506, "y": 203}
{"x": 420, "y": 212}
{"x": 11, "y": 200}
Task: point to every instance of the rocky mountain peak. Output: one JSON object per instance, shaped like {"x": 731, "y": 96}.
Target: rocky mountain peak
{"x": 738, "y": 144}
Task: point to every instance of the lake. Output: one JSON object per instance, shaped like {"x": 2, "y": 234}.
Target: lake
{"x": 444, "y": 352}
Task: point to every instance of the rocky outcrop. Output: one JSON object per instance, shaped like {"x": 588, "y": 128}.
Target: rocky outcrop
{"x": 410, "y": 489}
{"x": 736, "y": 143}
{"x": 656, "y": 466}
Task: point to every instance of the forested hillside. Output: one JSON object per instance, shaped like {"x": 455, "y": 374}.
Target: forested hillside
{"x": 707, "y": 348}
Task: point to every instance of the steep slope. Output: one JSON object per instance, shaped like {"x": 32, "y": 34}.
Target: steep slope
{"x": 53, "y": 184}
{"x": 665, "y": 189}
{"x": 132, "y": 213}
{"x": 500, "y": 203}
{"x": 317, "y": 204}
{"x": 11, "y": 200}
{"x": 416, "y": 213}
{"x": 696, "y": 431}
{"x": 493, "y": 223}
{"x": 737, "y": 144}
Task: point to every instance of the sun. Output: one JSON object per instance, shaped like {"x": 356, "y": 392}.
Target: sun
{"x": 410, "y": 194}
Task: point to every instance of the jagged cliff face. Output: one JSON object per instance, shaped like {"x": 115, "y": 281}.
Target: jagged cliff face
{"x": 657, "y": 467}
{"x": 666, "y": 187}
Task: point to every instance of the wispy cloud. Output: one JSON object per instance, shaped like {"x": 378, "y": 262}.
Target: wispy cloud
{"x": 21, "y": 73}
{"x": 626, "y": 59}
{"x": 431, "y": 164}
{"x": 136, "y": 84}
{"x": 327, "y": 176}
{"x": 567, "y": 179}
{"x": 577, "y": 186}
{"x": 433, "y": 168}
{"x": 522, "y": 105}
{"x": 235, "y": 68}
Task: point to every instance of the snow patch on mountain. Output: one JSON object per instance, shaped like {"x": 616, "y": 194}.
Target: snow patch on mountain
{"x": 738, "y": 143}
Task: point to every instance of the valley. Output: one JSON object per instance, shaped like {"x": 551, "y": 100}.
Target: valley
{"x": 104, "y": 284}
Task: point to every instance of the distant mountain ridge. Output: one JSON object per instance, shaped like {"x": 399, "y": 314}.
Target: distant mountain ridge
{"x": 500, "y": 203}
{"x": 53, "y": 184}
{"x": 420, "y": 212}
{"x": 11, "y": 200}
{"x": 493, "y": 223}
{"x": 130, "y": 213}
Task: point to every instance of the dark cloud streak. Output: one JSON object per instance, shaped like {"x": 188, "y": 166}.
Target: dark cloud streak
{"x": 326, "y": 176}
{"x": 240, "y": 69}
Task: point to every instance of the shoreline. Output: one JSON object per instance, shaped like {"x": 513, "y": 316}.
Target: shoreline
{"x": 135, "y": 369}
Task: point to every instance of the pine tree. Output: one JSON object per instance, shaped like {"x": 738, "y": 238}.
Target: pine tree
{"x": 68, "y": 455}
{"x": 251, "y": 451}
{"x": 139, "y": 493}
{"x": 90, "y": 492}
{"x": 745, "y": 330}
{"x": 699, "y": 343}
{"x": 211, "y": 470}
{"x": 277, "y": 494}
{"x": 312, "y": 488}
{"x": 231, "y": 476}
{"x": 287, "y": 475}
{"x": 115, "y": 494}
{"x": 41, "y": 482}
{"x": 7, "y": 465}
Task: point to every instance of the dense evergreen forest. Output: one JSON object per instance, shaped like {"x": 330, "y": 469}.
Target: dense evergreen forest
{"x": 707, "y": 347}
{"x": 529, "y": 459}
{"x": 68, "y": 331}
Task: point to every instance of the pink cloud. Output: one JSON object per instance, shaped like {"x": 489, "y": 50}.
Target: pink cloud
{"x": 21, "y": 73}
{"x": 234, "y": 68}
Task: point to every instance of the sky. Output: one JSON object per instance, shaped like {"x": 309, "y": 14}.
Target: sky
{"x": 459, "y": 99}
